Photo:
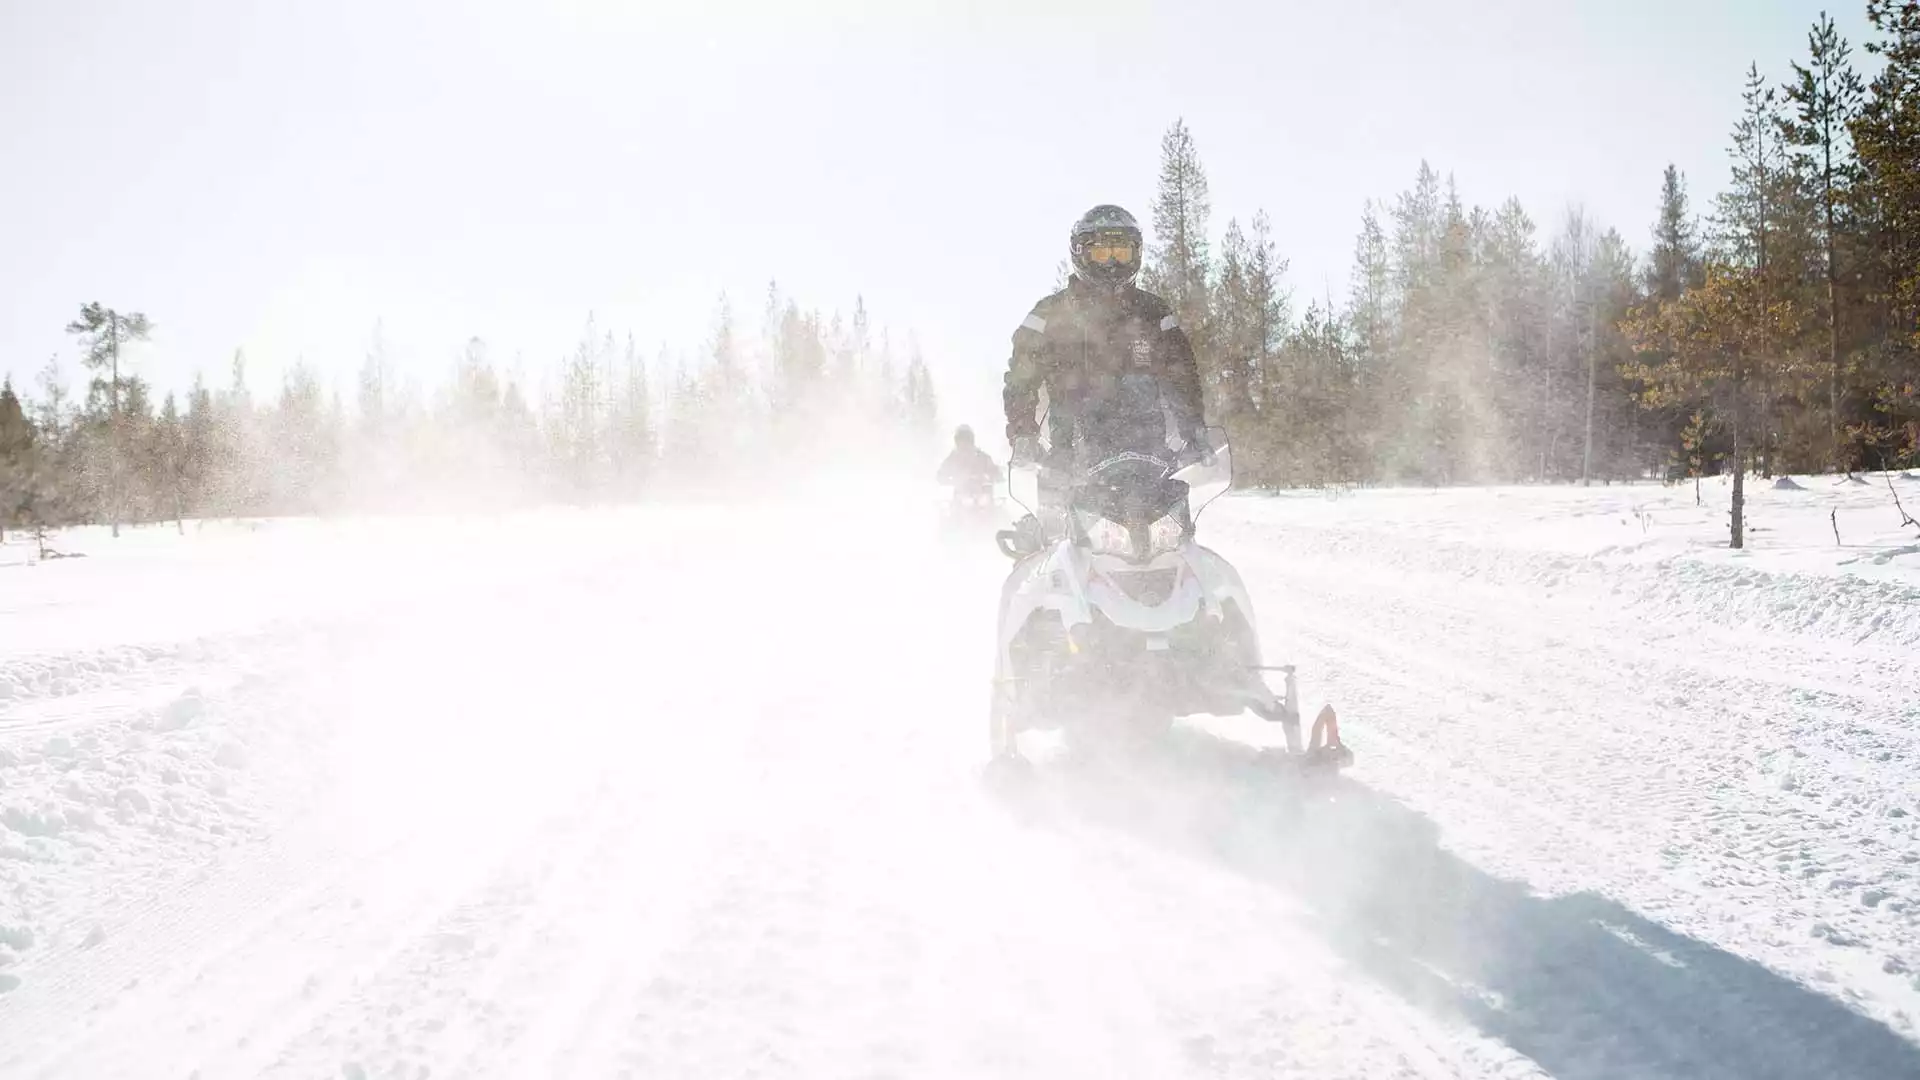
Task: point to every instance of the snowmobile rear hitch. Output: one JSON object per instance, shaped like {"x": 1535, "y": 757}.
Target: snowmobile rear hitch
{"x": 1323, "y": 741}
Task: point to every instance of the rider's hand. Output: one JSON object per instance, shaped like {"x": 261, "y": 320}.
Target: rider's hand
{"x": 1026, "y": 450}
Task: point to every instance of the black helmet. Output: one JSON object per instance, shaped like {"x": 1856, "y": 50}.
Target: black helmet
{"x": 963, "y": 436}
{"x": 1111, "y": 234}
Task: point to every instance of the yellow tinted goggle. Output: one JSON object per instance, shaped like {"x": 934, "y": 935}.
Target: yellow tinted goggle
{"x": 1110, "y": 252}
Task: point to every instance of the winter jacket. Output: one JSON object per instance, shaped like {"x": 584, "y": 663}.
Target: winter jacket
{"x": 1111, "y": 362}
{"x": 968, "y": 469}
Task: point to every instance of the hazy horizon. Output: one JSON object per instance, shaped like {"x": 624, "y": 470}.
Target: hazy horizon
{"x": 277, "y": 181}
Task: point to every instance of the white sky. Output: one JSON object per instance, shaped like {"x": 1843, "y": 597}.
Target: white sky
{"x": 276, "y": 176}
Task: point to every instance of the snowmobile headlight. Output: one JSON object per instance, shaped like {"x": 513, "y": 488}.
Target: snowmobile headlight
{"x": 1164, "y": 535}
{"x": 1106, "y": 537}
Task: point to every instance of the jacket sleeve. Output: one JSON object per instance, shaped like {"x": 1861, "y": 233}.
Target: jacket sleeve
{"x": 1181, "y": 370}
{"x": 1026, "y": 370}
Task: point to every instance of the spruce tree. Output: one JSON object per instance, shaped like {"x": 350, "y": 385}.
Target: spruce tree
{"x": 1673, "y": 263}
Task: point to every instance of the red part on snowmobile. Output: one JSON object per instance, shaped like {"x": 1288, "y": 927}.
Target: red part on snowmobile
{"x": 1324, "y": 747}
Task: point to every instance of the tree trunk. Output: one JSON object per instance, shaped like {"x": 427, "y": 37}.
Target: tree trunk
{"x": 1739, "y": 494}
{"x": 1739, "y": 462}
{"x": 1840, "y": 461}
{"x": 1840, "y": 457}
{"x": 1593, "y": 354}
{"x": 113, "y": 441}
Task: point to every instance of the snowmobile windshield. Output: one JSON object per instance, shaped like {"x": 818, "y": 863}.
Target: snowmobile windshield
{"x": 1130, "y": 489}
{"x": 1140, "y": 506}
{"x": 1207, "y": 481}
{"x": 1129, "y": 481}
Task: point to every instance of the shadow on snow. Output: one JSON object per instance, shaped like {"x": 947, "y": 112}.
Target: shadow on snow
{"x": 1586, "y": 988}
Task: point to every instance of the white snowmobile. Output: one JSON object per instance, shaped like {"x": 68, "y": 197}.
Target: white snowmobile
{"x": 1114, "y": 621}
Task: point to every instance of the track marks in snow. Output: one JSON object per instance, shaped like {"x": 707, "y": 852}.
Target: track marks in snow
{"x": 1719, "y": 782}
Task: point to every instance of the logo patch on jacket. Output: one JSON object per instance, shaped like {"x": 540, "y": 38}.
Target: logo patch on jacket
{"x": 1142, "y": 353}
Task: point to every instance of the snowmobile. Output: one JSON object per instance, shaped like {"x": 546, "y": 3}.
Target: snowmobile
{"x": 1115, "y": 622}
{"x": 971, "y": 512}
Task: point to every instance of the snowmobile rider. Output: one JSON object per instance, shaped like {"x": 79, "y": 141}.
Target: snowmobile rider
{"x": 968, "y": 469}
{"x": 1113, "y": 359}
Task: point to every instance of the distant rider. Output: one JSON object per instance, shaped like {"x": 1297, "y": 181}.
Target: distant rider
{"x": 1115, "y": 364}
{"x": 968, "y": 469}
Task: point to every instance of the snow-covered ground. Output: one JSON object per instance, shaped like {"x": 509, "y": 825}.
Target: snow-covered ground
{"x": 693, "y": 791}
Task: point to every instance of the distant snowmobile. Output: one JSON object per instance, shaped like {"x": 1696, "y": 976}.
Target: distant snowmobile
{"x": 970, "y": 514}
{"x": 1115, "y": 621}
{"x": 972, "y": 510}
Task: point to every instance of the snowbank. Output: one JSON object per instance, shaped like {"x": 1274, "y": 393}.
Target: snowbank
{"x": 1646, "y": 544}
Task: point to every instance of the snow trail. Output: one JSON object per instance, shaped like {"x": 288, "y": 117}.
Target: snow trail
{"x": 654, "y": 793}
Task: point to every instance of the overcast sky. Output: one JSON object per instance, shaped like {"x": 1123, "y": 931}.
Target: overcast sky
{"x": 276, "y": 176}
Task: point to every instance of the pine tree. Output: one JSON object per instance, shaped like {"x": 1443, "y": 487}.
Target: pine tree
{"x": 239, "y": 454}
{"x": 103, "y": 333}
{"x": 1759, "y": 228}
{"x": 1718, "y": 343}
{"x": 1267, "y": 316}
{"x": 1412, "y": 406}
{"x": 302, "y": 444}
{"x": 1826, "y": 99}
{"x": 724, "y": 398}
{"x": 200, "y": 450}
{"x": 53, "y": 488}
{"x": 917, "y": 396}
{"x": 577, "y": 441}
{"x": 1886, "y": 139}
{"x": 1236, "y": 354}
{"x": 1748, "y": 208}
{"x": 167, "y": 463}
{"x": 16, "y": 460}
{"x": 1371, "y": 298}
{"x": 1417, "y": 230}
{"x": 687, "y": 423}
{"x": 634, "y": 438}
{"x": 1513, "y": 277}
{"x": 376, "y": 385}
{"x": 1178, "y": 265}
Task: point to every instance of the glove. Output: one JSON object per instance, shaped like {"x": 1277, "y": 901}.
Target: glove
{"x": 1026, "y": 450}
